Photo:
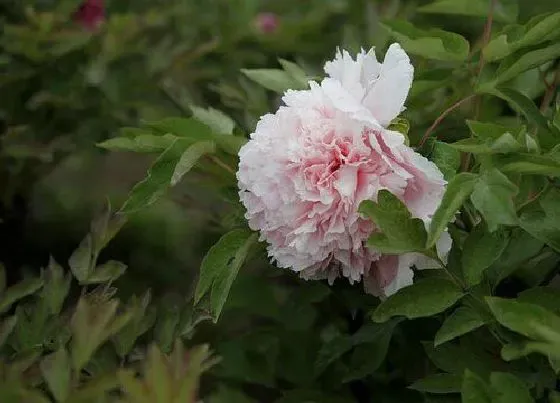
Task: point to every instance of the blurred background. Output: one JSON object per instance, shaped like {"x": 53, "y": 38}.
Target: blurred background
{"x": 72, "y": 73}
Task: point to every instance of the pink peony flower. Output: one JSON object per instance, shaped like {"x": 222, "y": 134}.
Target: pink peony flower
{"x": 90, "y": 14}
{"x": 267, "y": 23}
{"x": 307, "y": 168}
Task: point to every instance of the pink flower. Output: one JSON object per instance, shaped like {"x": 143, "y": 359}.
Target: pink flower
{"x": 267, "y": 23}
{"x": 90, "y": 14}
{"x": 307, "y": 168}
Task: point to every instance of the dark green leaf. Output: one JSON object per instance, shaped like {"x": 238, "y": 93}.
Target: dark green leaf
{"x": 426, "y": 297}
{"x": 480, "y": 250}
{"x": 542, "y": 219}
{"x": 530, "y": 164}
{"x": 505, "y": 10}
{"x": 460, "y": 322}
{"x": 438, "y": 383}
{"x": 547, "y": 297}
{"x": 220, "y": 266}
{"x": 474, "y": 389}
{"x": 458, "y": 189}
{"x": 447, "y": 159}
{"x": 493, "y": 195}
{"x": 20, "y": 290}
{"x": 6, "y": 327}
{"x": 56, "y": 288}
{"x": 507, "y": 388}
{"x": 82, "y": 259}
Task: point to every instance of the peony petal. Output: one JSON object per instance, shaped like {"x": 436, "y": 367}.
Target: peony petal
{"x": 385, "y": 96}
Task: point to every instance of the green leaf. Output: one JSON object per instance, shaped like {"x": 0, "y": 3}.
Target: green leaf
{"x": 144, "y": 143}
{"x": 542, "y": 219}
{"x": 546, "y": 297}
{"x": 296, "y": 72}
{"x": 447, "y": 159}
{"x": 493, "y": 196}
{"x": 426, "y": 297}
{"x": 400, "y": 232}
{"x": 530, "y": 164}
{"x": 480, "y": 250}
{"x": 106, "y": 272}
{"x": 142, "y": 320}
{"x": 20, "y": 290}
{"x": 432, "y": 43}
{"x": 82, "y": 259}
{"x": 458, "y": 189}
{"x": 521, "y": 61}
{"x": 526, "y": 319}
{"x": 55, "y": 369}
{"x": 56, "y": 287}
{"x": 401, "y": 125}
{"x": 275, "y": 80}
{"x": 505, "y": 10}
{"x": 166, "y": 171}
{"x": 507, "y": 388}
{"x": 460, "y": 322}
{"x": 474, "y": 389}
{"x": 216, "y": 120}
{"x": 438, "y": 383}
{"x": 6, "y": 327}
{"x": 514, "y": 37}
{"x": 220, "y": 266}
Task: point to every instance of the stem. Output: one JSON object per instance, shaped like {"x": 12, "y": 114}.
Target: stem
{"x": 550, "y": 90}
{"x": 486, "y": 34}
{"x": 222, "y": 164}
{"x": 441, "y": 117}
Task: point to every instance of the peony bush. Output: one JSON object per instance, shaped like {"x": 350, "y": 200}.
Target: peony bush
{"x": 425, "y": 168}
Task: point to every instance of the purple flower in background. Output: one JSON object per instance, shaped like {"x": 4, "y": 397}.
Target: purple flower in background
{"x": 267, "y": 23}
{"x": 91, "y": 14}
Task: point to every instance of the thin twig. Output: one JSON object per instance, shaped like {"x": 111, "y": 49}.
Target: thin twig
{"x": 550, "y": 90}
{"x": 441, "y": 117}
{"x": 222, "y": 164}
{"x": 486, "y": 34}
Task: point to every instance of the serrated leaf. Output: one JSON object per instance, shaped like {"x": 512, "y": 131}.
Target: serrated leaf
{"x": 458, "y": 189}
{"x": 474, "y": 389}
{"x": 400, "y": 232}
{"x": 55, "y": 369}
{"x": 218, "y": 121}
{"x": 275, "y": 80}
{"x": 220, "y": 266}
{"x": 493, "y": 196}
{"x": 460, "y": 322}
{"x": 438, "y": 383}
{"x": 480, "y": 250}
{"x": 426, "y": 297}
{"x": 507, "y": 388}
{"x": 504, "y": 10}
{"x": 432, "y": 43}
{"x": 18, "y": 291}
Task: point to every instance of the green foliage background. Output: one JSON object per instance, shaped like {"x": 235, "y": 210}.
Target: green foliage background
{"x": 173, "y": 87}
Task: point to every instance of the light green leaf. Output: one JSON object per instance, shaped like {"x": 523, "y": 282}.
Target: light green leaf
{"x": 189, "y": 158}
{"x": 18, "y": 291}
{"x": 106, "y": 272}
{"x": 82, "y": 259}
{"x": 296, "y": 72}
{"x": 274, "y": 79}
{"x": 216, "y": 120}
{"x": 519, "y": 62}
{"x": 530, "y": 164}
{"x": 505, "y": 10}
{"x": 514, "y": 37}
{"x": 145, "y": 143}
{"x": 431, "y": 44}
{"x": 426, "y": 297}
{"x": 493, "y": 196}
{"x": 401, "y": 125}
{"x": 400, "y": 232}
{"x": 474, "y": 389}
{"x": 507, "y": 388}
{"x": 56, "y": 287}
{"x": 460, "y": 322}
{"x": 220, "y": 266}
{"x": 547, "y": 297}
{"x": 480, "y": 250}
{"x": 526, "y": 319}
{"x": 490, "y": 131}
{"x": 438, "y": 383}
{"x": 55, "y": 369}
{"x": 542, "y": 219}
{"x": 458, "y": 189}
